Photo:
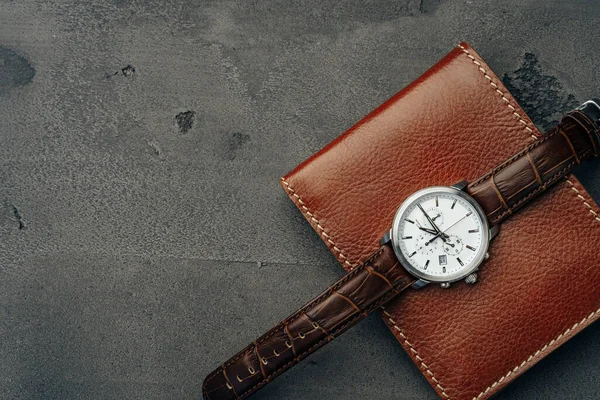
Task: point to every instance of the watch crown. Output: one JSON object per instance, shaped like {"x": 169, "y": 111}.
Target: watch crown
{"x": 445, "y": 285}
{"x": 486, "y": 256}
{"x": 471, "y": 279}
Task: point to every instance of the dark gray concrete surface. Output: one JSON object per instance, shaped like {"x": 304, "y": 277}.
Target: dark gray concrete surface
{"x": 143, "y": 233}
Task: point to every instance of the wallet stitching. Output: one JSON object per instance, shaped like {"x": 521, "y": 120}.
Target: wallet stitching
{"x": 500, "y": 92}
{"x": 315, "y": 222}
{"x": 580, "y": 197}
{"x": 422, "y": 365}
{"x": 536, "y": 355}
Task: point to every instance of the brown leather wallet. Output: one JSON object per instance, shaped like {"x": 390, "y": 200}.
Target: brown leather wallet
{"x": 381, "y": 277}
{"x": 540, "y": 286}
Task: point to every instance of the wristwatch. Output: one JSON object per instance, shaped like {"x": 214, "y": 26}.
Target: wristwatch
{"x": 439, "y": 235}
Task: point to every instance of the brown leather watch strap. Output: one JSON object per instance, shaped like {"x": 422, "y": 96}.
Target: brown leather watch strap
{"x": 530, "y": 172}
{"x": 346, "y": 302}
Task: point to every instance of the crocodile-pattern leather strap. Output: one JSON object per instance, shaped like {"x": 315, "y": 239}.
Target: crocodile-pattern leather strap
{"x": 530, "y": 172}
{"x": 341, "y": 306}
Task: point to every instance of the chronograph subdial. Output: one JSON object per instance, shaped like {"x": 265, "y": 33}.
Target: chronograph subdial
{"x": 453, "y": 245}
{"x": 436, "y": 216}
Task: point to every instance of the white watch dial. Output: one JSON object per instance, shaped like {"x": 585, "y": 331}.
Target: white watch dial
{"x": 440, "y": 234}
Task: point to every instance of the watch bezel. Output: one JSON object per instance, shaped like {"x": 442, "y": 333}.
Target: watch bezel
{"x": 451, "y": 277}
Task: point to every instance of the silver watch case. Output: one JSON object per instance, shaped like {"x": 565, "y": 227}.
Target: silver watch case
{"x": 424, "y": 278}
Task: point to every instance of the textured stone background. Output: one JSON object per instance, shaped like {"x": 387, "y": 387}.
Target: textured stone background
{"x": 143, "y": 233}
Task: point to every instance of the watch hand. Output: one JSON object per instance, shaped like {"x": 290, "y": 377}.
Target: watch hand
{"x": 431, "y": 240}
{"x": 428, "y": 230}
{"x": 439, "y": 235}
{"x": 432, "y": 223}
{"x": 457, "y": 222}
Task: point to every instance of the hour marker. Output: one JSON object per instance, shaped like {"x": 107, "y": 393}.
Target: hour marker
{"x": 437, "y": 201}
{"x": 473, "y": 230}
{"x": 426, "y": 264}
{"x": 443, "y": 269}
{"x": 410, "y": 220}
{"x": 469, "y": 213}
{"x": 413, "y": 254}
{"x": 453, "y": 204}
{"x": 470, "y": 248}
{"x": 460, "y": 262}
{"x": 407, "y": 237}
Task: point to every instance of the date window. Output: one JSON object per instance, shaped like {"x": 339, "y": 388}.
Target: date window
{"x": 443, "y": 260}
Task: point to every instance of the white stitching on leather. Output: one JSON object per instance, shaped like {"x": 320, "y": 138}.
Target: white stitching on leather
{"x": 500, "y": 92}
{"x": 580, "y": 197}
{"x": 536, "y": 354}
{"x": 311, "y": 217}
{"x": 412, "y": 349}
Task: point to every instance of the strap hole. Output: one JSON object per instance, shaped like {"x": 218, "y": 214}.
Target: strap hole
{"x": 264, "y": 361}
{"x": 229, "y": 386}
{"x": 288, "y": 344}
{"x": 251, "y": 370}
{"x": 301, "y": 335}
{"x": 276, "y": 353}
{"x": 315, "y": 325}
{"x": 238, "y": 378}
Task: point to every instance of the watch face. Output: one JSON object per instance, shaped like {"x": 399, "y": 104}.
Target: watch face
{"x": 440, "y": 234}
